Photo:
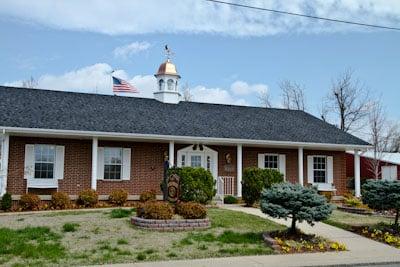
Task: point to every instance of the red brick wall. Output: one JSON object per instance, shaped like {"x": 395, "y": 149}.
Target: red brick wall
{"x": 147, "y": 165}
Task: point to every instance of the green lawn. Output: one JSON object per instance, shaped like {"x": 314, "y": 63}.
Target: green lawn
{"x": 346, "y": 220}
{"x": 102, "y": 237}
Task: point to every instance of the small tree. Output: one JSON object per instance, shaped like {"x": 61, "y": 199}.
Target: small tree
{"x": 382, "y": 195}
{"x": 294, "y": 201}
{"x": 255, "y": 180}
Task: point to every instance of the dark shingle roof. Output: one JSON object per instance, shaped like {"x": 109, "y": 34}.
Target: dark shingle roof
{"x": 34, "y": 108}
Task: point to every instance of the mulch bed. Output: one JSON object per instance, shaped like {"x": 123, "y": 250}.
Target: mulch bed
{"x": 382, "y": 233}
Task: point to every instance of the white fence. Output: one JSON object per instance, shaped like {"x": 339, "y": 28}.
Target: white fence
{"x": 225, "y": 185}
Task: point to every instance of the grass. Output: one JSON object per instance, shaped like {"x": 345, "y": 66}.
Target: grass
{"x": 121, "y": 213}
{"x": 118, "y": 241}
{"x": 346, "y": 220}
{"x": 31, "y": 243}
{"x": 70, "y": 227}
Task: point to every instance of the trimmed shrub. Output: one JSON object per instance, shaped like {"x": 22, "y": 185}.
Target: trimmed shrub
{"x": 196, "y": 184}
{"x": 88, "y": 198}
{"x": 294, "y": 201}
{"x": 327, "y": 194}
{"x": 230, "y": 200}
{"x": 148, "y": 195}
{"x": 6, "y": 202}
{"x": 191, "y": 210}
{"x": 60, "y": 200}
{"x": 29, "y": 202}
{"x": 118, "y": 197}
{"x": 70, "y": 227}
{"x": 255, "y": 180}
{"x": 155, "y": 210}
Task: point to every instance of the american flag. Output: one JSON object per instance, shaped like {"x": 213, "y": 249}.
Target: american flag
{"x": 120, "y": 85}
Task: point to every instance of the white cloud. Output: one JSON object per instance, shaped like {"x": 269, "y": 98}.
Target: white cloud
{"x": 215, "y": 95}
{"x": 130, "y": 49}
{"x": 194, "y": 16}
{"x": 243, "y": 88}
{"x": 97, "y": 79}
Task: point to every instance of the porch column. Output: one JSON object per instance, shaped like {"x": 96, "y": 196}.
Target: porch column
{"x": 357, "y": 179}
{"x": 171, "y": 154}
{"x": 300, "y": 163}
{"x": 4, "y": 164}
{"x": 95, "y": 144}
{"x": 239, "y": 170}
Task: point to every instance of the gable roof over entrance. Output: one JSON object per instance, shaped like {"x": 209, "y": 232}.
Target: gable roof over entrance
{"x": 45, "y": 109}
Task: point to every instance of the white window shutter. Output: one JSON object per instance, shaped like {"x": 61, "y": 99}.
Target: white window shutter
{"x": 330, "y": 169}
{"x": 310, "y": 169}
{"x": 282, "y": 165}
{"x": 59, "y": 164}
{"x": 29, "y": 170}
{"x": 126, "y": 164}
{"x": 100, "y": 163}
{"x": 261, "y": 161}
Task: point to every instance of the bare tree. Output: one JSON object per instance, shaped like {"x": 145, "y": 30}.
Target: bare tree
{"x": 382, "y": 132}
{"x": 293, "y": 96}
{"x": 265, "y": 99}
{"x": 187, "y": 95}
{"x": 349, "y": 101}
{"x": 30, "y": 83}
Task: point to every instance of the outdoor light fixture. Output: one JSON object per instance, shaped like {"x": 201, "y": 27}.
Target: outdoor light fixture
{"x": 201, "y": 147}
{"x": 194, "y": 147}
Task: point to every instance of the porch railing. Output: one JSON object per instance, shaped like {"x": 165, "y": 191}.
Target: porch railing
{"x": 225, "y": 185}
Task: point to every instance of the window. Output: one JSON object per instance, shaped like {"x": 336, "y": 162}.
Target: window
{"x": 195, "y": 161}
{"x": 161, "y": 84}
{"x": 319, "y": 169}
{"x": 112, "y": 163}
{"x": 170, "y": 84}
{"x": 183, "y": 160}
{"x": 44, "y": 161}
{"x": 271, "y": 162}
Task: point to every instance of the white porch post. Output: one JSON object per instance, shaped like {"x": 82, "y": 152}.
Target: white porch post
{"x": 171, "y": 154}
{"x": 95, "y": 144}
{"x": 357, "y": 179}
{"x": 300, "y": 163}
{"x": 239, "y": 170}
{"x": 4, "y": 165}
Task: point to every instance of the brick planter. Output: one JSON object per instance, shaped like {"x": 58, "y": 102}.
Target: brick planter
{"x": 271, "y": 242}
{"x": 355, "y": 210}
{"x": 171, "y": 225}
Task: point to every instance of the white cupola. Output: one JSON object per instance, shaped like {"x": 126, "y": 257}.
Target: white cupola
{"x": 167, "y": 83}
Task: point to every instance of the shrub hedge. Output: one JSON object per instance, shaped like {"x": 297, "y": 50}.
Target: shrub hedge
{"x": 196, "y": 184}
{"x": 255, "y": 180}
{"x": 155, "y": 210}
{"x": 88, "y": 198}
{"x": 118, "y": 197}
{"x": 148, "y": 195}
{"x": 60, "y": 200}
{"x": 191, "y": 210}
{"x": 6, "y": 202}
{"x": 29, "y": 202}
{"x": 230, "y": 200}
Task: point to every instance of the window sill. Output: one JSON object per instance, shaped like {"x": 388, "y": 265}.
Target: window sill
{"x": 112, "y": 180}
{"x": 42, "y": 183}
{"x": 324, "y": 186}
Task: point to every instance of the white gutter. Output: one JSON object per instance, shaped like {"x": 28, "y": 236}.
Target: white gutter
{"x": 176, "y": 138}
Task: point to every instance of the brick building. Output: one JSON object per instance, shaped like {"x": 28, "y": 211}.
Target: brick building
{"x": 64, "y": 141}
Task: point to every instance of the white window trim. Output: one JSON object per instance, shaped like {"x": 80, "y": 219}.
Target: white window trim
{"x": 188, "y": 151}
{"x": 277, "y": 161}
{"x": 46, "y": 162}
{"x": 326, "y": 168}
{"x": 122, "y": 163}
{"x": 126, "y": 157}
{"x": 328, "y": 185}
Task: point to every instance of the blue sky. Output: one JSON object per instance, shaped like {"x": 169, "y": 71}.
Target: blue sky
{"x": 225, "y": 55}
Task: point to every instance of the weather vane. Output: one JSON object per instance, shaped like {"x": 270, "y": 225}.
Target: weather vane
{"x": 168, "y": 52}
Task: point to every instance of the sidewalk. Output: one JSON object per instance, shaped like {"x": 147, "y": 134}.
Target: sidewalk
{"x": 361, "y": 251}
